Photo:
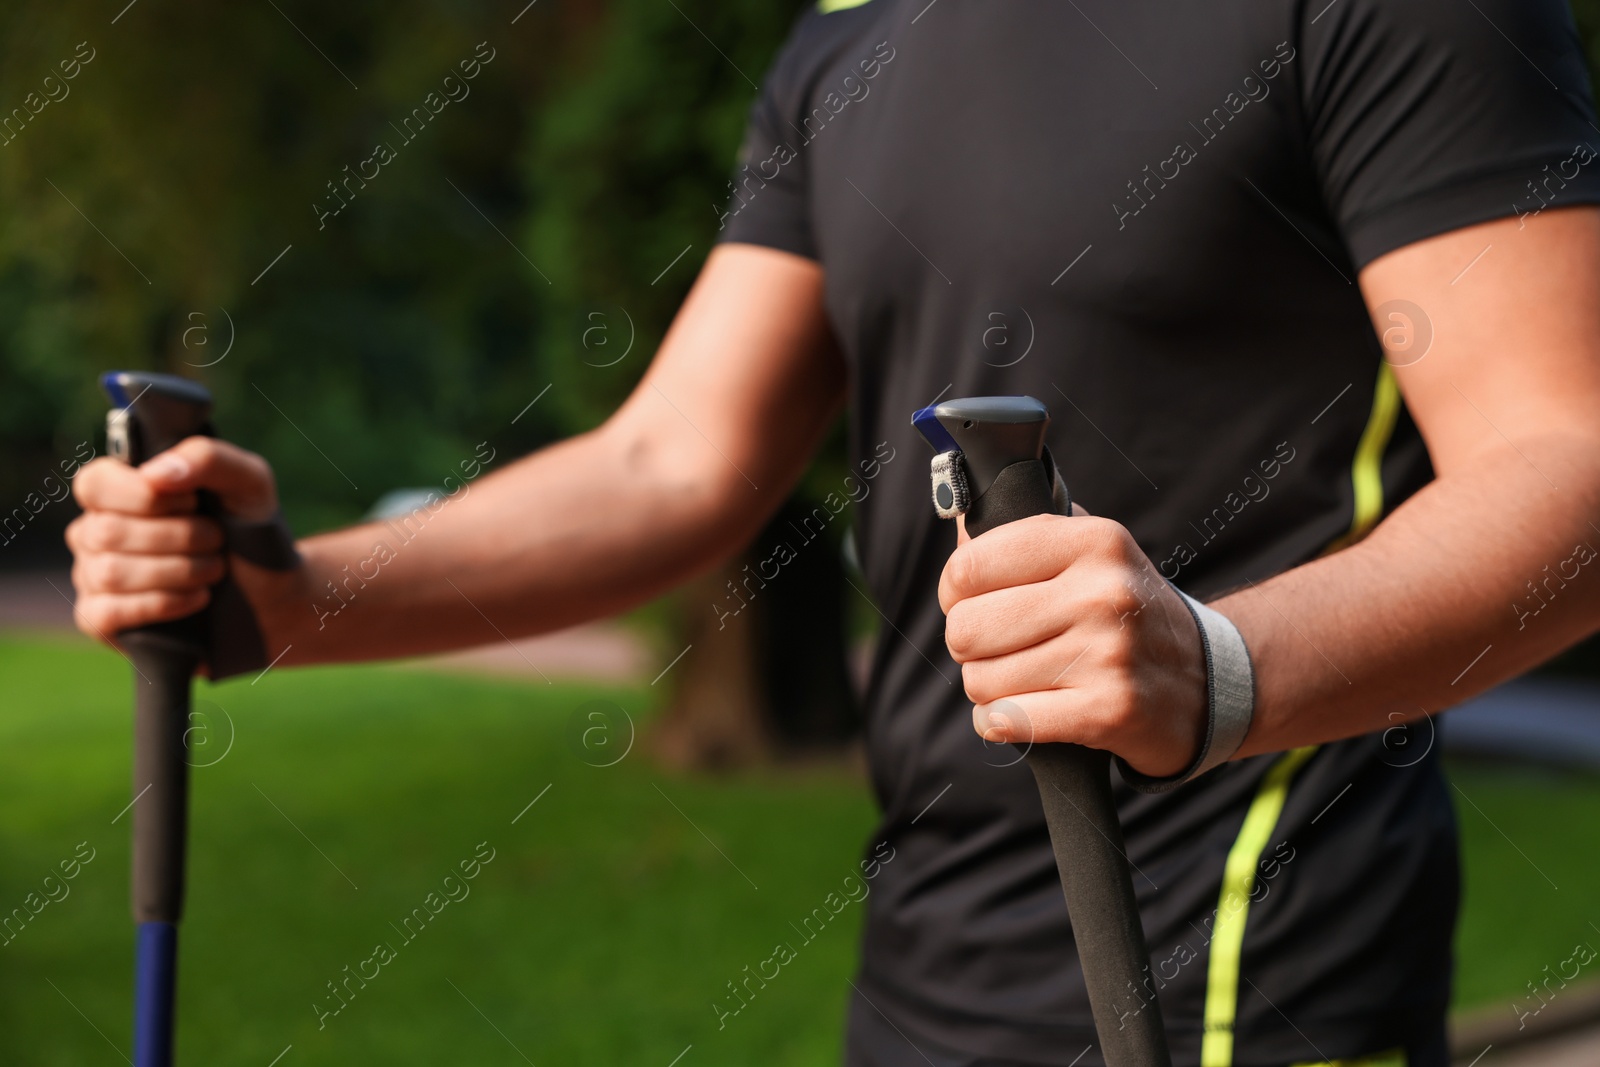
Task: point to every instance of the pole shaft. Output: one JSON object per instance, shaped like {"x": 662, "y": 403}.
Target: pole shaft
{"x": 155, "y": 988}
{"x": 1086, "y": 835}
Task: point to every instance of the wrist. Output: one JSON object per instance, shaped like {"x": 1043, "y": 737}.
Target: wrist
{"x": 288, "y": 608}
{"x": 1228, "y": 700}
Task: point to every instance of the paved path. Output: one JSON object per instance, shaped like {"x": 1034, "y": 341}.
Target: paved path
{"x": 1547, "y": 720}
{"x": 602, "y": 652}
{"x": 1580, "y": 1048}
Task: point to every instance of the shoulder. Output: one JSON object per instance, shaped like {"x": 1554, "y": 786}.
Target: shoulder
{"x": 831, "y": 40}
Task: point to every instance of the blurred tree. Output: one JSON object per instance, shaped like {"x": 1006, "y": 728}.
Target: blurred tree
{"x": 628, "y": 170}
{"x": 173, "y": 207}
{"x": 150, "y": 201}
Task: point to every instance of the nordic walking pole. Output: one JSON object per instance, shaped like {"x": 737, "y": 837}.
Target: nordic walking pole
{"x": 1000, "y": 473}
{"x": 152, "y": 413}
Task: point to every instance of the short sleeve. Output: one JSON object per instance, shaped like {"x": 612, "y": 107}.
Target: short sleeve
{"x": 767, "y": 202}
{"x": 1428, "y": 115}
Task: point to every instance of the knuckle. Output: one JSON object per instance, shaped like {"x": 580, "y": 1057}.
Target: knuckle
{"x": 260, "y": 470}
{"x": 202, "y": 451}
{"x": 959, "y": 634}
{"x": 86, "y": 483}
{"x": 966, "y": 570}
{"x": 92, "y": 617}
{"x": 1119, "y": 657}
{"x": 104, "y": 571}
{"x": 1105, "y": 585}
{"x": 101, "y": 531}
{"x": 1107, "y": 536}
{"x": 972, "y": 682}
{"x": 83, "y": 619}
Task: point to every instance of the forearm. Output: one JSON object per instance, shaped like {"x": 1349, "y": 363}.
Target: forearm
{"x": 585, "y": 528}
{"x": 1486, "y": 572}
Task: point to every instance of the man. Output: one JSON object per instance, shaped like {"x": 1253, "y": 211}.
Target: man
{"x": 1185, "y": 227}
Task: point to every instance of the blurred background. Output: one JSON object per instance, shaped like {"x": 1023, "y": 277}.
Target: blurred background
{"x": 190, "y": 188}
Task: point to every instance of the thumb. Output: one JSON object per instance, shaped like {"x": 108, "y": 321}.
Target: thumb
{"x": 241, "y": 480}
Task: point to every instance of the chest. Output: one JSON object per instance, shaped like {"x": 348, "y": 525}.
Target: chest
{"x": 989, "y": 164}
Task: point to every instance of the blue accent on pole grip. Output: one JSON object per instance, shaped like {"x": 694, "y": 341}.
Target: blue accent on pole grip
{"x": 155, "y": 986}
{"x": 933, "y": 431}
{"x": 111, "y": 382}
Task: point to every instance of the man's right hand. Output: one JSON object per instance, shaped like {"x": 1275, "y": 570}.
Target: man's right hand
{"x": 745, "y": 385}
{"x": 141, "y": 555}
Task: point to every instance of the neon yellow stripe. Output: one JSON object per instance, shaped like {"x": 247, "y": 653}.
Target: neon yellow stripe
{"x": 1366, "y": 471}
{"x": 827, "y": 7}
{"x": 1393, "y": 1058}
{"x": 1233, "y": 905}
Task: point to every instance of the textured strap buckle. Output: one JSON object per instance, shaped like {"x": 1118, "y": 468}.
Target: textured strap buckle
{"x": 951, "y": 493}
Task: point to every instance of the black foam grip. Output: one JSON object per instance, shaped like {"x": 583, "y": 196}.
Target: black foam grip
{"x": 234, "y": 643}
{"x": 163, "y": 667}
{"x": 268, "y": 543}
{"x": 1075, "y": 790}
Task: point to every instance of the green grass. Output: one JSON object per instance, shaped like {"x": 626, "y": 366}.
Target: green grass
{"x": 602, "y": 931}
{"x": 1531, "y": 853}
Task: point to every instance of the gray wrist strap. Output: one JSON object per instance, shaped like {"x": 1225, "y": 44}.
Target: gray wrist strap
{"x": 233, "y": 634}
{"x": 1230, "y": 699}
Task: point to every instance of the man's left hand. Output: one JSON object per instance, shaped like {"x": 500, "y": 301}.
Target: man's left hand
{"x": 1066, "y": 632}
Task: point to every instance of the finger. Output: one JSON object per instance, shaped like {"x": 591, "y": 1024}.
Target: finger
{"x": 241, "y": 480}
{"x": 1088, "y": 598}
{"x": 1034, "y": 549}
{"x": 1065, "y": 661}
{"x": 115, "y": 572}
{"x": 104, "y": 615}
{"x": 1007, "y": 620}
{"x": 107, "y": 484}
{"x": 1014, "y": 554}
{"x": 1041, "y": 718}
{"x": 960, "y": 522}
{"x": 108, "y": 531}
{"x": 962, "y": 537}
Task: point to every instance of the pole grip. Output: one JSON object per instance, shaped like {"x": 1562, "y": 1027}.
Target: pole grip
{"x": 1086, "y": 835}
{"x": 160, "y": 773}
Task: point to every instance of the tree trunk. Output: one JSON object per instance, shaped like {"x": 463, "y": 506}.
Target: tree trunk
{"x": 765, "y": 676}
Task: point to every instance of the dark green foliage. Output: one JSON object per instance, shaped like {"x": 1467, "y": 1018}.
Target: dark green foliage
{"x": 396, "y": 335}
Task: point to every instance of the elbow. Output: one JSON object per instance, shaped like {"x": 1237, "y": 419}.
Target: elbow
{"x": 687, "y": 487}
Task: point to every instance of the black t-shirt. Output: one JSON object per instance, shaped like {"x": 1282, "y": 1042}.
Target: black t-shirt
{"x": 1151, "y": 216}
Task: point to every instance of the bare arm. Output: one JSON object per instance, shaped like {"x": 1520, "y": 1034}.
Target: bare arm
{"x": 723, "y": 424}
{"x": 1066, "y": 632}
{"x": 1491, "y": 568}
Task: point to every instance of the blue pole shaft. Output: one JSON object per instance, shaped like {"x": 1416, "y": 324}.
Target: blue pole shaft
{"x": 155, "y": 983}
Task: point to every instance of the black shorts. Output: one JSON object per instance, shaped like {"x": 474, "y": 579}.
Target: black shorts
{"x": 873, "y": 1039}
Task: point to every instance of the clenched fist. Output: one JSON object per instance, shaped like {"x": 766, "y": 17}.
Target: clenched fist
{"x": 141, "y": 555}
{"x": 1066, "y": 632}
